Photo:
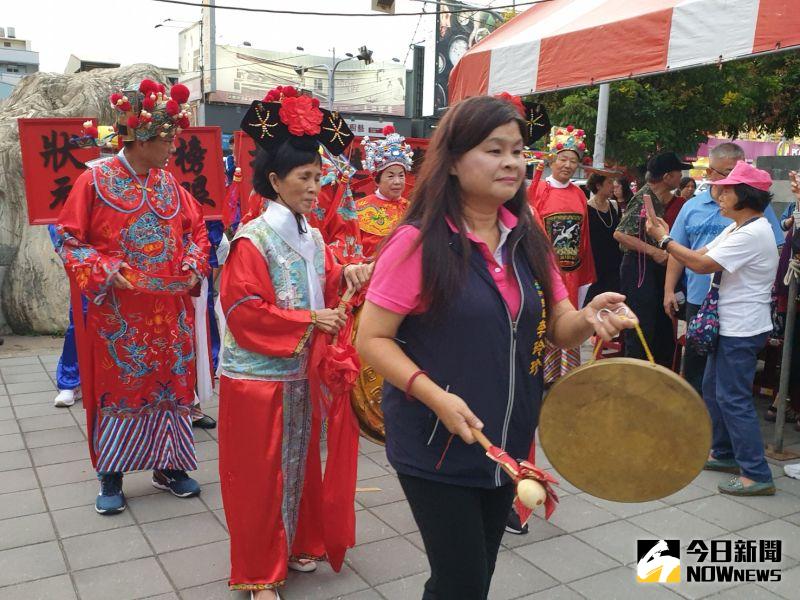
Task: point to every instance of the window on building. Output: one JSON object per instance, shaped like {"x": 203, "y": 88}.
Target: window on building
{"x": 7, "y": 44}
{"x": 12, "y": 69}
{"x": 318, "y": 85}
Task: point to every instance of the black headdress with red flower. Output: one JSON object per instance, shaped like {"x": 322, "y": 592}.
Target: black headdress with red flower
{"x": 534, "y": 113}
{"x": 285, "y": 113}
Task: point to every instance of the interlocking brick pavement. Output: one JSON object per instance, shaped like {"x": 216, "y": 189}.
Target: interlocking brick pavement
{"x": 53, "y": 545}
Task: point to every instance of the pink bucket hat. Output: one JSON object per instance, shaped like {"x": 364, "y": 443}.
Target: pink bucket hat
{"x": 744, "y": 173}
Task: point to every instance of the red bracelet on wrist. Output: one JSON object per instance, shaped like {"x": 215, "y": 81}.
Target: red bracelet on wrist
{"x": 411, "y": 379}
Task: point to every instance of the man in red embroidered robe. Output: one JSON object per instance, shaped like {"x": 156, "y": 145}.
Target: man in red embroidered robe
{"x": 560, "y": 207}
{"x": 134, "y": 244}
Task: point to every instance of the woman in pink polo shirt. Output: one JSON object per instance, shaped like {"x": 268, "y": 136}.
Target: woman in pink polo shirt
{"x": 464, "y": 294}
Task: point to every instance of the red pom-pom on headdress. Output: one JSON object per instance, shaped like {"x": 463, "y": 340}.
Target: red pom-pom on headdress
{"x": 172, "y": 108}
{"x": 148, "y": 104}
{"x": 389, "y": 129}
{"x": 184, "y": 123}
{"x": 289, "y": 92}
{"x": 179, "y": 93}
{"x": 133, "y": 122}
{"x": 570, "y": 128}
{"x": 162, "y": 88}
{"x": 315, "y": 102}
{"x": 148, "y": 86}
{"x": 90, "y": 129}
{"x": 114, "y": 98}
{"x": 125, "y": 106}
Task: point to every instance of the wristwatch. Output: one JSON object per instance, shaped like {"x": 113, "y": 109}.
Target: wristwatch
{"x": 664, "y": 242}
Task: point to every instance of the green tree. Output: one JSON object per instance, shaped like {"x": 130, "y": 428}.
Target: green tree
{"x": 677, "y": 111}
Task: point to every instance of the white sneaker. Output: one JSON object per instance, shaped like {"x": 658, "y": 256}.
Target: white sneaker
{"x": 64, "y": 399}
{"x": 792, "y": 470}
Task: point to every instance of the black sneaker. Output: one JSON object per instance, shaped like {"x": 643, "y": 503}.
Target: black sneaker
{"x": 513, "y": 524}
{"x": 204, "y": 422}
{"x": 110, "y": 500}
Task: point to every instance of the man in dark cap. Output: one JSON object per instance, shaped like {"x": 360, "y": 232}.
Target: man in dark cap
{"x": 644, "y": 265}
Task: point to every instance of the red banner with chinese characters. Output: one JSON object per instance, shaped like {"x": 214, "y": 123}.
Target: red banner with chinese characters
{"x": 197, "y": 165}
{"x": 363, "y": 184}
{"x": 51, "y": 164}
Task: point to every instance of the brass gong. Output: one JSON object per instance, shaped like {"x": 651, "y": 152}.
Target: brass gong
{"x": 625, "y": 430}
{"x": 366, "y": 398}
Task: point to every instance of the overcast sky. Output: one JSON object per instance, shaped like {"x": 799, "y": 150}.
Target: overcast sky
{"x": 123, "y": 31}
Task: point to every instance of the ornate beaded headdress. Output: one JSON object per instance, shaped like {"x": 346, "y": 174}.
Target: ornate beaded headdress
{"x": 568, "y": 138}
{"x": 149, "y": 111}
{"x": 383, "y": 153}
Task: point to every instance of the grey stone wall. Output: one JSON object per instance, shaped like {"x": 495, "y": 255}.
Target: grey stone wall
{"x": 33, "y": 286}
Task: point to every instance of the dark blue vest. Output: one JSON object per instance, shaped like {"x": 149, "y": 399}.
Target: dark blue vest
{"x": 481, "y": 354}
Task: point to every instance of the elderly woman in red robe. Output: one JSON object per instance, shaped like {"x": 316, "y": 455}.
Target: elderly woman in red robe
{"x": 278, "y": 288}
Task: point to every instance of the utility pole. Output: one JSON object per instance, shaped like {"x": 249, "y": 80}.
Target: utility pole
{"x": 208, "y": 57}
{"x": 602, "y": 126}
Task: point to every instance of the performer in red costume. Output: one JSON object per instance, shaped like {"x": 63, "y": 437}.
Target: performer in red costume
{"x": 560, "y": 207}
{"x": 278, "y": 280}
{"x": 134, "y": 244}
{"x": 389, "y": 159}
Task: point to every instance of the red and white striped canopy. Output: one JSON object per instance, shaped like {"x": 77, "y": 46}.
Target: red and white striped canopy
{"x": 569, "y": 43}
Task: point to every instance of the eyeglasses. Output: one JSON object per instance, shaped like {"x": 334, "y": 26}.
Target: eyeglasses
{"x": 720, "y": 173}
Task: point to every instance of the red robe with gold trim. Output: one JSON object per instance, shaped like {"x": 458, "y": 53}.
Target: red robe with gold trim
{"x": 139, "y": 385}
{"x": 563, "y": 214}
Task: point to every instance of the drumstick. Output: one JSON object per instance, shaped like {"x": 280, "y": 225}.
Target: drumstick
{"x": 348, "y": 295}
{"x": 529, "y": 491}
{"x": 486, "y": 444}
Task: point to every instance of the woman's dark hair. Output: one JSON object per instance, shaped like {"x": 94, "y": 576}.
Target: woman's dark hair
{"x": 436, "y": 197}
{"x": 595, "y": 181}
{"x": 625, "y": 184}
{"x": 290, "y": 154}
{"x": 752, "y": 198}
{"x": 686, "y": 181}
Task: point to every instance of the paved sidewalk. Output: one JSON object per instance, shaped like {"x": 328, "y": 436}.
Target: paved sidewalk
{"x": 54, "y": 546}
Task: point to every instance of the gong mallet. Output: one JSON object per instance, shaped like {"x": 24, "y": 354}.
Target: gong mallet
{"x": 529, "y": 491}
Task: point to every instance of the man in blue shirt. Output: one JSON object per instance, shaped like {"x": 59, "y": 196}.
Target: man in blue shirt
{"x": 699, "y": 222}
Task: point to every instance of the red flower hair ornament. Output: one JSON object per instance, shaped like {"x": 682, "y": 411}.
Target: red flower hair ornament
{"x": 300, "y": 115}
{"x": 513, "y": 100}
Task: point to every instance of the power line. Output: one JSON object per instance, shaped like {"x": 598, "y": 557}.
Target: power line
{"x": 413, "y": 37}
{"x": 324, "y": 14}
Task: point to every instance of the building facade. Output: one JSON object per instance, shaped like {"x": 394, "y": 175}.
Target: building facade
{"x": 16, "y": 60}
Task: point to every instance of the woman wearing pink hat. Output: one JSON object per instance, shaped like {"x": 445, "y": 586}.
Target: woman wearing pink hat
{"x": 744, "y": 261}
